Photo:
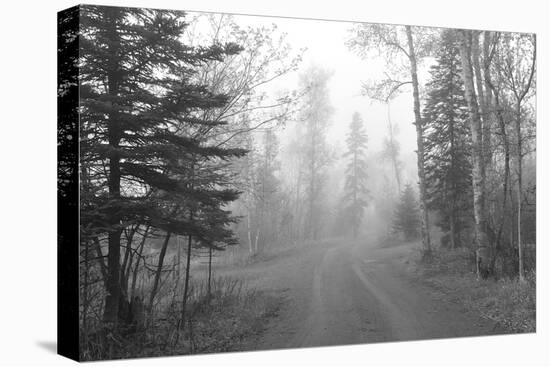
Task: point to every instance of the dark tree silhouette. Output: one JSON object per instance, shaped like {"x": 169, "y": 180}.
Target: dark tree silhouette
{"x": 137, "y": 95}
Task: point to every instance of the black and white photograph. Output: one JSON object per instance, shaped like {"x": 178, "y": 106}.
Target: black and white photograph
{"x": 248, "y": 183}
{"x": 255, "y": 183}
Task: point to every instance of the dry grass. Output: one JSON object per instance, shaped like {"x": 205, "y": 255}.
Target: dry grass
{"x": 226, "y": 320}
{"x": 509, "y": 302}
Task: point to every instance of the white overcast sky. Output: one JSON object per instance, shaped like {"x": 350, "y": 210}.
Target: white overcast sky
{"x": 325, "y": 43}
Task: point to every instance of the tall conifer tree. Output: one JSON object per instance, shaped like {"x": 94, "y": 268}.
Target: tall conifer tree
{"x": 355, "y": 188}
{"x": 137, "y": 100}
{"x": 447, "y": 154}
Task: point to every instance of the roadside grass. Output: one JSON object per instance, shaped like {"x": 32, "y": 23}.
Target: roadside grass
{"x": 508, "y": 302}
{"x": 230, "y": 319}
{"x": 234, "y": 316}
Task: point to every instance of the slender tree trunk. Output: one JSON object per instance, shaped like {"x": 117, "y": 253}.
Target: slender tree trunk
{"x": 178, "y": 268}
{"x": 393, "y": 151}
{"x": 136, "y": 268}
{"x": 186, "y": 283}
{"x": 209, "y": 272}
{"x": 158, "y": 273}
{"x": 297, "y": 209}
{"x": 128, "y": 252}
{"x": 520, "y": 96}
{"x": 519, "y": 159}
{"x": 452, "y": 222}
{"x": 506, "y": 179}
{"x": 425, "y": 230}
{"x": 248, "y": 232}
{"x": 113, "y": 297}
{"x": 100, "y": 256}
{"x": 188, "y": 259}
{"x": 490, "y": 115}
{"x": 256, "y": 240}
{"x": 476, "y": 131}
{"x": 85, "y": 293}
{"x": 499, "y": 118}
{"x": 312, "y": 225}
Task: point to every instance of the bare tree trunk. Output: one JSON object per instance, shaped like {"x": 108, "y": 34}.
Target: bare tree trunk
{"x": 248, "y": 232}
{"x": 297, "y": 212}
{"x": 256, "y": 240}
{"x": 186, "y": 283}
{"x": 393, "y": 151}
{"x": 520, "y": 96}
{"x": 426, "y": 244}
{"x": 136, "y": 268}
{"x": 478, "y": 178}
{"x": 158, "y": 273}
{"x": 100, "y": 256}
{"x": 519, "y": 159}
{"x": 209, "y": 272}
{"x": 312, "y": 225}
{"x": 113, "y": 295}
{"x": 499, "y": 118}
{"x": 490, "y": 118}
{"x": 85, "y": 295}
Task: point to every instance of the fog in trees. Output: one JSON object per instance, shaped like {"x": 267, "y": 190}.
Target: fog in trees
{"x": 228, "y": 159}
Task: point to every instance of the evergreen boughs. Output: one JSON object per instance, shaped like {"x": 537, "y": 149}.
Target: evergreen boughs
{"x": 145, "y": 152}
{"x": 447, "y": 143}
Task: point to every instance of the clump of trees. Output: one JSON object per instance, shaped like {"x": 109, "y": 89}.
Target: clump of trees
{"x": 146, "y": 164}
{"x": 475, "y": 124}
{"x": 161, "y": 126}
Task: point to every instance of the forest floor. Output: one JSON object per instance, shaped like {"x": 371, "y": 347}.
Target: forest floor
{"x": 340, "y": 291}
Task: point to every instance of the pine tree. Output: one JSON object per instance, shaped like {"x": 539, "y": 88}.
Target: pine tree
{"x": 355, "y": 189}
{"x": 407, "y": 215}
{"x": 140, "y": 135}
{"x": 447, "y": 154}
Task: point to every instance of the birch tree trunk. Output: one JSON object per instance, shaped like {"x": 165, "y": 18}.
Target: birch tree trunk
{"x": 478, "y": 178}
{"x": 425, "y": 230}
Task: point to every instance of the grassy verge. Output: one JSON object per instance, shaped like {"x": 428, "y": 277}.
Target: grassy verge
{"x": 508, "y": 302}
{"x": 229, "y": 320}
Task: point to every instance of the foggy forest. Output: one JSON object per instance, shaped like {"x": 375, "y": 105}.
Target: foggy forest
{"x": 253, "y": 183}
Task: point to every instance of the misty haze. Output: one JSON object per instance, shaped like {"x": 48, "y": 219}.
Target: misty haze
{"x": 253, "y": 183}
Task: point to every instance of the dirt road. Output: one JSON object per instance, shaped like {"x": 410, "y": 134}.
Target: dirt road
{"x": 346, "y": 292}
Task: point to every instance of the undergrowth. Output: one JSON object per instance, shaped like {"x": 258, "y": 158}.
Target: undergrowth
{"x": 507, "y": 301}
{"x": 220, "y": 322}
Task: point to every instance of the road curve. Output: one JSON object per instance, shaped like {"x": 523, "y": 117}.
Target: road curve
{"x": 350, "y": 292}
